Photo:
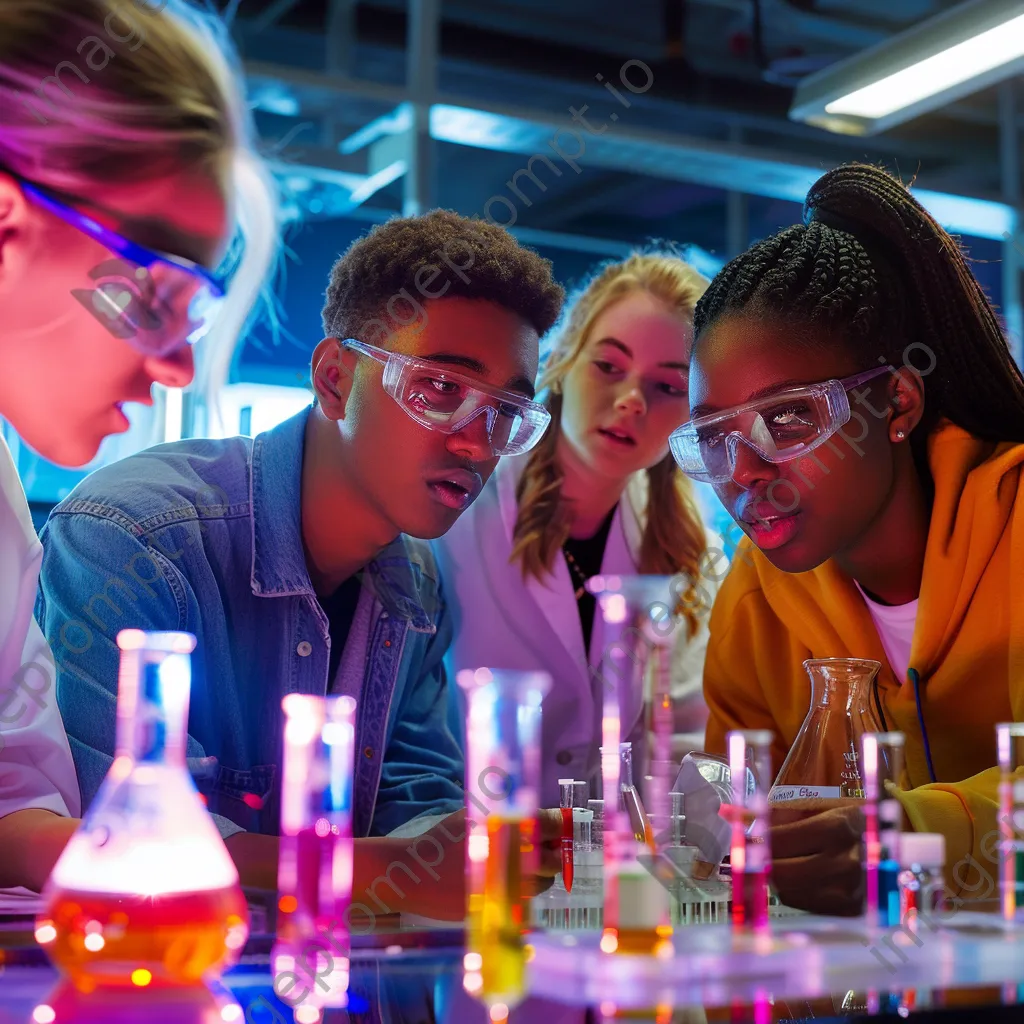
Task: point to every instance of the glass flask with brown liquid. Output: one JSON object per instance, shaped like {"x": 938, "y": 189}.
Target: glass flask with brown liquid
{"x": 145, "y": 892}
{"x": 822, "y": 769}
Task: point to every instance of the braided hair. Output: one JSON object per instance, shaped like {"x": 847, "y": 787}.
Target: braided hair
{"x": 869, "y": 265}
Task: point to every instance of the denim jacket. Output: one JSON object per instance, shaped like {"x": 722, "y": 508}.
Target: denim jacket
{"x": 205, "y": 536}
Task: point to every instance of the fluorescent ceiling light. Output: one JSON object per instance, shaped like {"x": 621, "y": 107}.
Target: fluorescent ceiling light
{"x": 941, "y": 60}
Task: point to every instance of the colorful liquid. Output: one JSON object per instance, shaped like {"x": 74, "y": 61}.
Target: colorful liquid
{"x": 315, "y": 880}
{"x": 638, "y": 820}
{"x": 498, "y": 912}
{"x": 118, "y": 939}
{"x": 644, "y": 941}
{"x": 1012, "y": 877}
{"x": 567, "y": 848}
{"x": 750, "y": 900}
{"x": 888, "y": 894}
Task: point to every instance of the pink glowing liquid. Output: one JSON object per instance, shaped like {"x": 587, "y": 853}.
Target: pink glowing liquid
{"x": 750, "y": 900}
{"x": 323, "y": 881}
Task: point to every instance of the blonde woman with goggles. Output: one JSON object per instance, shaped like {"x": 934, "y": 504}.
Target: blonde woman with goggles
{"x": 118, "y": 196}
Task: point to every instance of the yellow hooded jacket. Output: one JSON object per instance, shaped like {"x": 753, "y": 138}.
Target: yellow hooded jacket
{"x": 968, "y": 648}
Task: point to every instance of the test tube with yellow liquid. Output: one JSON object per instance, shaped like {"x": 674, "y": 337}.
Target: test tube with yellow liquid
{"x": 502, "y": 786}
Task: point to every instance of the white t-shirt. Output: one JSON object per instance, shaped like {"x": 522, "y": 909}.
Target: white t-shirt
{"x": 36, "y": 767}
{"x": 895, "y": 625}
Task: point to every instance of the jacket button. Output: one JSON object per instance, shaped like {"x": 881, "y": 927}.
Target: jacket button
{"x": 305, "y": 649}
{"x": 563, "y": 757}
{"x": 368, "y": 753}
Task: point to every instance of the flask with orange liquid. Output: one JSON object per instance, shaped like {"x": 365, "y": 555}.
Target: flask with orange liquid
{"x": 145, "y": 892}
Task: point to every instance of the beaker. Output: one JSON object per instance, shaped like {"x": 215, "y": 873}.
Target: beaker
{"x": 503, "y": 718}
{"x": 639, "y": 630}
{"x": 315, "y": 860}
{"x": 822, "y": 769}
{"x": 1010, "y": 749}
{"x": 145, "y": 891}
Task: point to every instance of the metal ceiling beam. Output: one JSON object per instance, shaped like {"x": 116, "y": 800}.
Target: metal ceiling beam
{"x": 422, "y": 54}
{"x": 671, "y": 156}
{"x": 272, "y": 15}
{"x": 722, "y": 165}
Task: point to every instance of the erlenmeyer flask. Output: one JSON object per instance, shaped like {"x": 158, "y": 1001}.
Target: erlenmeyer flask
{"x": 822, "y": 769}
{"x": 145, "y": 892}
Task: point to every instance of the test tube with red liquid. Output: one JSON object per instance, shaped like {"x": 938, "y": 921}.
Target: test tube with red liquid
{"x": 750, "y": 849}
{"x": 572, "y": 794}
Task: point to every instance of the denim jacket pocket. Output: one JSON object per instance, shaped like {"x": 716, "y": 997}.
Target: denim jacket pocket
{"x": 243, "y": 796}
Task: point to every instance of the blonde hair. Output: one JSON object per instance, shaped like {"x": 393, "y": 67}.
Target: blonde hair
{"x": 104, "y": 91}
{"x": 673, "y": 539}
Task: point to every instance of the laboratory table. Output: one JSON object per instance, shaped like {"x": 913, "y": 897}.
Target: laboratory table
{"x": 414, "y": 975}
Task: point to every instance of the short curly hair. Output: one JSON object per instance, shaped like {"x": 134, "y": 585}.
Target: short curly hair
{"x": 408, "y": 260}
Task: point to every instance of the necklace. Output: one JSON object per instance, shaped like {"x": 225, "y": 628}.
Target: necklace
{"x": 576, "y": 571}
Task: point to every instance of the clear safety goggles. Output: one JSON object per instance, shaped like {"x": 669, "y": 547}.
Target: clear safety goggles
{"x": 155, "y": 301}
{"x": 780, "y": 427}
{"x": 441, "y": 400}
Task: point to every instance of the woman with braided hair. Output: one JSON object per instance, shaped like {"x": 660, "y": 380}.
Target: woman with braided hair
{"x": 857, "y": 410}
{"x": 599, "y": 494}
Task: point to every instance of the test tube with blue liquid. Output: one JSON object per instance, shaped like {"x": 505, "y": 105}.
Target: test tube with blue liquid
{"x": 882, "y": 763}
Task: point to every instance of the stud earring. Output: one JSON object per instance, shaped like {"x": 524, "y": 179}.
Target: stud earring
{"x": 900, "y": 435}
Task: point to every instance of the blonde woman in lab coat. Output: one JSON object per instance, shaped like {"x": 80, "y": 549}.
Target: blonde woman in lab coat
{"x": 116, "y": 204}
{"x": 600, "y": 494}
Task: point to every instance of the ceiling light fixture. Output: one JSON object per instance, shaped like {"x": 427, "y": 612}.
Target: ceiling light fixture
{"x": 952, "y": 55}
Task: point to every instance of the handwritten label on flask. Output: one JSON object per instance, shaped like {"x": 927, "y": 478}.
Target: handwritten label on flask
{"x": 782, "y": 794}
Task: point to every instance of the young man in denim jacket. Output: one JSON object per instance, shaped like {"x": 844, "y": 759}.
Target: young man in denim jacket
{"x": 291, "y": 556}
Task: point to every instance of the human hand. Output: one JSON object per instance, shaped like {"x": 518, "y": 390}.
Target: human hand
{"x": 549, "y": 862}
{"x": 816, "y": 861}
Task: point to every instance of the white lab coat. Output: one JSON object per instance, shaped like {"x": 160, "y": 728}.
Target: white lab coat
{"x": 504, "y": 621}
{"x": 36, "y": 767}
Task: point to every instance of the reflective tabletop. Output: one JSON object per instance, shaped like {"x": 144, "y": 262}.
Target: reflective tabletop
{"x": 416, "y": 975}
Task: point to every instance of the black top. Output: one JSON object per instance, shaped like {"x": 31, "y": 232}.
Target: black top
{"x": 588, "y": 554}
{"x": 340, "y": 609}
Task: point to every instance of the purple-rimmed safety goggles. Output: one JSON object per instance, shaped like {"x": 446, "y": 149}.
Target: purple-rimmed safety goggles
{"x": 154, "y": 301}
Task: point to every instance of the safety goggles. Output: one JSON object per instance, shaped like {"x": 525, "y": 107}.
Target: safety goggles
{"x": 154, "y": 301}
{"x": 440, "y": 400}
{"x": 787, "y": 425}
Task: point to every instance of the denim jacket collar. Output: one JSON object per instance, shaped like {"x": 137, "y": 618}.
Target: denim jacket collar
{"x": 402, "y": 576}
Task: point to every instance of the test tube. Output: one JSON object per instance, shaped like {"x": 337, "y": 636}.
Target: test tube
{"x": 882, "y": 762}
{"x": 597, "y": 828}
{"x": 678, "y": 818}
{"x": 572, "y": 794}
{"x": 1010, "y": 747}
{"x": 315, "y": 858}
{"x": 750, "y": 850}
{"x": 502, "y": 786}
